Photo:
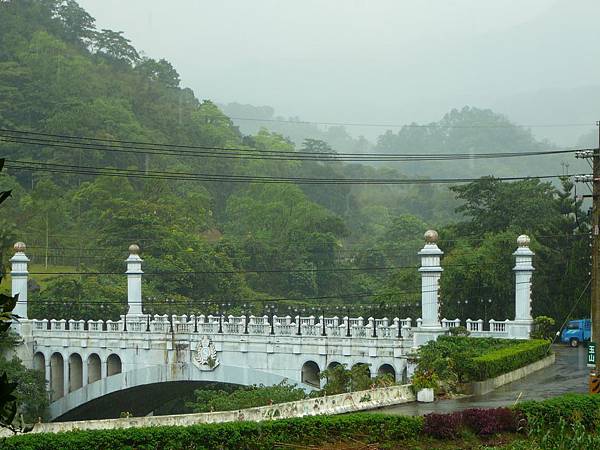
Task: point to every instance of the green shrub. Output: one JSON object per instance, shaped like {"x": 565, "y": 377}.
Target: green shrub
{"x": 459, "y": 359}
{"x": 245, "y": 397}
{"x": 459, "y": 331}
{"x": 570, "y": 407}
{"x": 424, "y": 379}
{"x": 317, "y": 430}
{"x": 542, "y": 327}
{"x": 506, "y": 359}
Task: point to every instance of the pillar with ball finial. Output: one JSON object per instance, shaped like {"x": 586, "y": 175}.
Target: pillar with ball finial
{"x": 521, "y": 326}
{"x": 431, "y": 272}
{"x": 19, "y": 276}
{"x": 134, "y": 281}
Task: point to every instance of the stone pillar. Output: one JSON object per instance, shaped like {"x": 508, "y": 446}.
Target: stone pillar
{"x": 66, "y": 376}
{"x": 47, "y": 369}
{"x": 84, "y": 370}
{"x": 431, "y": 272}
{"x": 521, "y": 326}
{"x": 134, "y": 281}
{"x": 19, "y": 275}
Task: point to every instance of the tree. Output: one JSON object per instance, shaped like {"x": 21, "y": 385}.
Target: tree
{"x": 78, "y": 25}
{"x": 528, "y": 206}
{"x": 116, "y": 46}
{"x": 161, "y": 71}
{"x": 10, "y": 388}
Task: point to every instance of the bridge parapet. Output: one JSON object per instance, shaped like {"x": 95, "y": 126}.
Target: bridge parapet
{"x": 248, "y": 349}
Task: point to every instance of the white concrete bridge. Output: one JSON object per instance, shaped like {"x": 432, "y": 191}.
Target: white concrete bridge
{"x": 86, "y": 360}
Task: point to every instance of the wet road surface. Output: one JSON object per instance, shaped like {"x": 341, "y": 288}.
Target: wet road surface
{"x": 568, "y": 374}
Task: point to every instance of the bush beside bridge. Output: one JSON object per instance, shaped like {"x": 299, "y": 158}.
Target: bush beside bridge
{"x": 564, "y": 420}
{"x": 461, "y": 359}
{"x": 507, "y": 359}
{"x": 316, "y": 430}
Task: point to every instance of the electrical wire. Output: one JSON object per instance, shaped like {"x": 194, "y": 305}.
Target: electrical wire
{"x": 409, "y": 125}
{"x": 281, "y": 155}
{"x": 230, "y": 178}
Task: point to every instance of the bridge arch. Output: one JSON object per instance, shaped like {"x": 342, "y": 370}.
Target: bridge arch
{"x": 311, "y": 374}
{"x": 75, "y": 372}
{"x": 333, "y": 365}
{"x": 366, "y": 366}
{"x": 94, "y": 368}
{"x": 57, "y": 375}
{"x": 113, "y": 365}
{"x": 387, "y": 369}
{"x": 39, "y": 362}
{"x": 243, "y": 376}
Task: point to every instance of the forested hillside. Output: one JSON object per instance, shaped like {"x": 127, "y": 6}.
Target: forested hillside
{"x": 214, "y": 244}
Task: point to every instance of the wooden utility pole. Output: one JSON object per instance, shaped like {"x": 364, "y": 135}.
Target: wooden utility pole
{"x": 596, "y": 246}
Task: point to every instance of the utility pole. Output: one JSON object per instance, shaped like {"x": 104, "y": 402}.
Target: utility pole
{"x": 595, "y": 280}
{"x": 595, "y": 246}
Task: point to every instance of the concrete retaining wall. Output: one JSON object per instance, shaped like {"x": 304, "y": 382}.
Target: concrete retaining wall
{"x": 332, "y": 404}
{"x": 483, "y": 387}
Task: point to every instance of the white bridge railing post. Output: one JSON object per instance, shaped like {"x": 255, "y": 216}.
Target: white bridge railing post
{"x": 521, "y": 327}
{"x": 19, "y": 276}
{"x": 134, "y": 281}
{"x": 430, "y": 327}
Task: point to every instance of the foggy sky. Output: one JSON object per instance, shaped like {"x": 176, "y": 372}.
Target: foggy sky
{"x": 374, "y": 61}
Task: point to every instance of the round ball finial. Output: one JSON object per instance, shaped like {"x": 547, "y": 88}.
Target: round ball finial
{"x": 431, "y": 236}
{"x": 134, "y": 249}
{"x": 20, "y": 247}
{"x": 523, "y": 241}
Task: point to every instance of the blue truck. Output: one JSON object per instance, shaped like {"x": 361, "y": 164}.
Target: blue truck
{"x": 577, "y": 331}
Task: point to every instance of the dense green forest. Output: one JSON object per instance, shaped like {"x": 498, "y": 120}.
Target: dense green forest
{"x": 214, "y": 245}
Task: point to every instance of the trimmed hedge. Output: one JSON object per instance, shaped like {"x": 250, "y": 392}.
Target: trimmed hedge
{"x": 571, "y": 408}
{"x": 368, "y": 428}
{"x": 504, "y": 360}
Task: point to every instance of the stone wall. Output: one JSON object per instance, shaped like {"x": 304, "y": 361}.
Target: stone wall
{"x": 332, "y": 404}
{"x": 483, "y": 387}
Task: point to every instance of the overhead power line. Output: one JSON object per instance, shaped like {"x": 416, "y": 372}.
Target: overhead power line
{"x": 140, "y": 147}
{"x": 230, "y": 178}
{"x": 229, "y": 303}
{"x": 413, "y": 125}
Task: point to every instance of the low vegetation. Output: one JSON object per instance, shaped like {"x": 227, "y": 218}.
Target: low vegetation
{"x": 208, "y": 400}
{"x": 460, "y": 359}
{"x": 339, "y": 379}
{"x": 567, "y": 422}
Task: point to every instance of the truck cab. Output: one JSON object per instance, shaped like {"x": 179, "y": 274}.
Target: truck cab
{"x": 577, "y": 331}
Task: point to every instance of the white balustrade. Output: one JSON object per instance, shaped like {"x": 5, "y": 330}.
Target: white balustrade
{"x": 40, "y": 324}
{"x": 59, "y": 325}
{"x": 112, "y": 325}
{"x": 498, "y": 326}
{"x": 450, "y": 323}
{"x": 259, "y": 328}
{"x": 311, "y": 330}
{"x": 336, "y": 331}
{"x": 95, "y": 325}
{"x": 76, "y": 325}
{"x": 183, "y": 327}
{"x": 285, "y": 329}
{"x": 233, "y": 327}
{"x": 474, "y": 325}
{"x": 384, "y": 332}
{"x": 136, "y": 326}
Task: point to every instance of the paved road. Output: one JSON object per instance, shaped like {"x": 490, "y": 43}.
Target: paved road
{"x": 568, "y": 374}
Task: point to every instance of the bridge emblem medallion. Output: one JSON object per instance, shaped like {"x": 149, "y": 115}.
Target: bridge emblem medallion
{"x": 205, "y": 357}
